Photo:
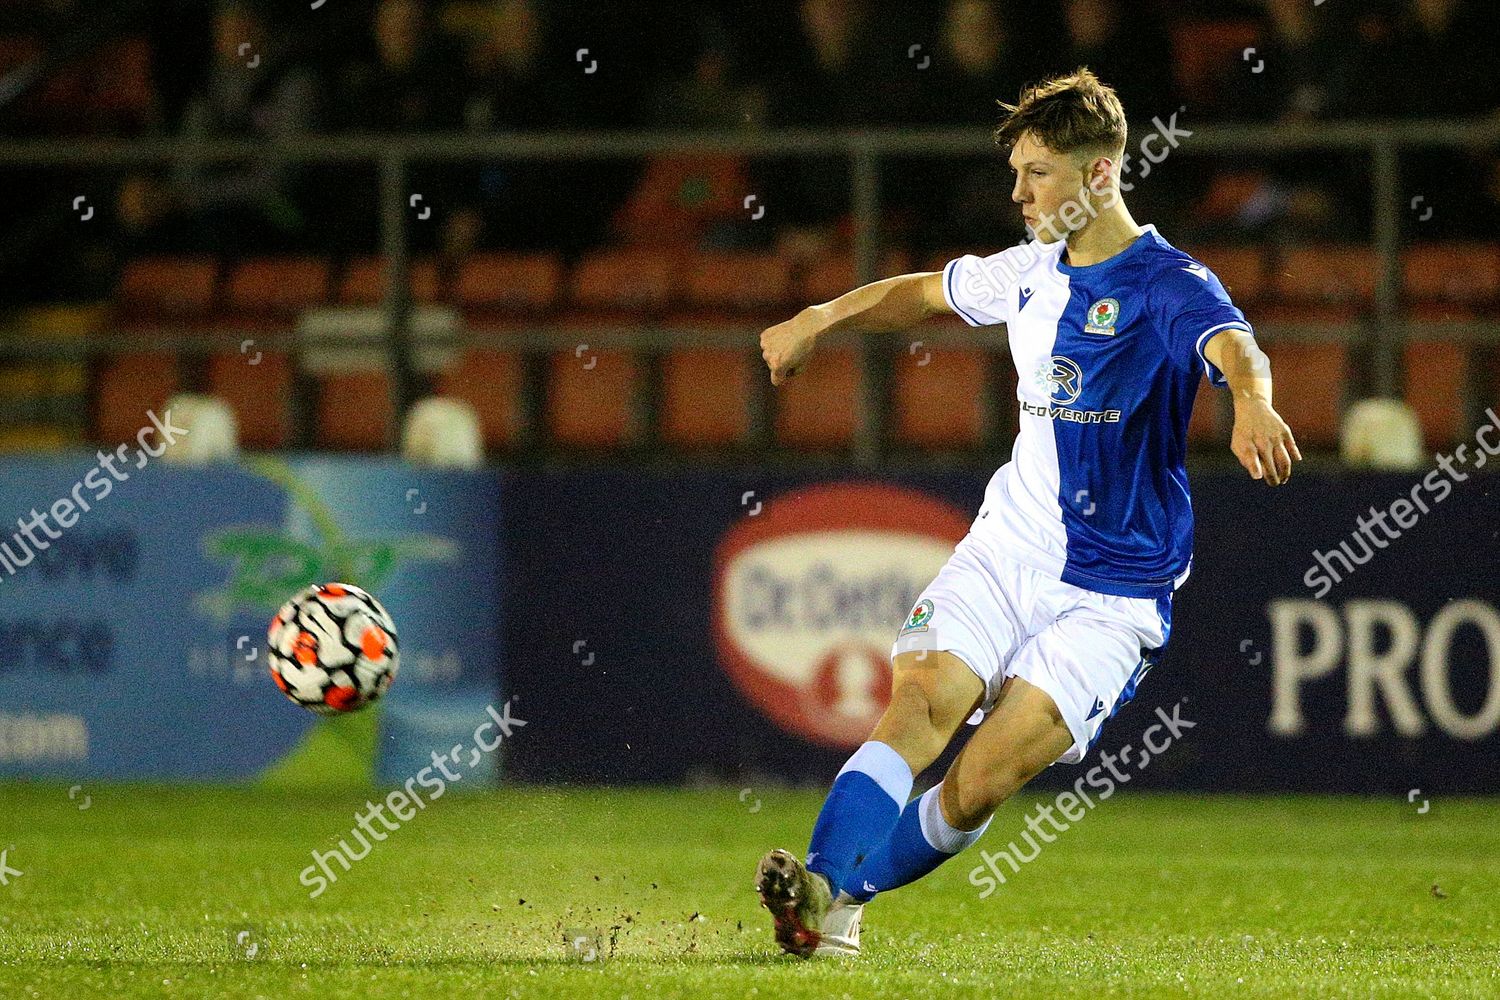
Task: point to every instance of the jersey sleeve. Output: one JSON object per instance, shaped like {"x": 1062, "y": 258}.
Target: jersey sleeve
{"x": 1193, "y": 306}
{"x": 979, "y": 288}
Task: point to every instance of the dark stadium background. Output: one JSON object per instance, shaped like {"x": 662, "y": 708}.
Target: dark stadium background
{"x": 610, "y": 201}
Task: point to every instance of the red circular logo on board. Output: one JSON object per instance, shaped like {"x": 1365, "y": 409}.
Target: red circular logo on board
{"x": 809, "y": 595}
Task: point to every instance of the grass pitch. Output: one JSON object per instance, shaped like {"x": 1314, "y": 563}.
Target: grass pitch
{"x": 144, "y": 893}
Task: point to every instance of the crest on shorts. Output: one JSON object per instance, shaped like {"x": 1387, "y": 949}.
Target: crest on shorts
{"x": 920, "y": 616}
{"x": 1102, "y": 317}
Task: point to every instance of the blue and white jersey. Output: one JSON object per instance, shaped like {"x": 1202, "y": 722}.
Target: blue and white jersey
{"x": 1109, "y": 359}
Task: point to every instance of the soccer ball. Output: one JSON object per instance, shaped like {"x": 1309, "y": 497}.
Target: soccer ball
{"x": 333, "y": 648}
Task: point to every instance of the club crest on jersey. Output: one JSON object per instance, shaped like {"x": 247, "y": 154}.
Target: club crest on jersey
{"x": 920, "y": 616}
{"x": 1062, "y": 378}
{"x": 1102, "y": 317}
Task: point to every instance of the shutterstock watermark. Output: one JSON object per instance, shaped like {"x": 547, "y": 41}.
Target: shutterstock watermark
{"x": 998, "y": 273}
{"x": 1077, "y": 803}
{"x": 68, "y": 509}
{"x": 404, "y": 802}
{"x": 1331, "y": 567}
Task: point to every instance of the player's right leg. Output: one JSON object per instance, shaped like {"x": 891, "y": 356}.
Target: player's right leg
{"x": 932, "y": 694}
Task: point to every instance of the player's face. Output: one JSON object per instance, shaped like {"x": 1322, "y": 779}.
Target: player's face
{"x": 1046, "y": 181}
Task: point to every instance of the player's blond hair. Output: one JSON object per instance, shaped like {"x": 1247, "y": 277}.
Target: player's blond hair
{"x": 1068, "y": 114}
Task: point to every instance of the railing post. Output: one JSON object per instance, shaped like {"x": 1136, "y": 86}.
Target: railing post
{"x": 869, "y": 428}
{"x": 397, "y": 301}
{"x": 1385, "y": 344}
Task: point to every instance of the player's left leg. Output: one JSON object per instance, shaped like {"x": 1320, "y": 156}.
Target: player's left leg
{"x": 1018, "y": 739}
{"x": 1051, "y": 709}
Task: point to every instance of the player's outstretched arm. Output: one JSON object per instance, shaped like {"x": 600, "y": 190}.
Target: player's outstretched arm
{"x": 1261, "y": 439}
{"x": 892, "y": 304}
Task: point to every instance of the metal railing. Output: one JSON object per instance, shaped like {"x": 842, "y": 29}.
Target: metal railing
{"x": 1382, "y": 141}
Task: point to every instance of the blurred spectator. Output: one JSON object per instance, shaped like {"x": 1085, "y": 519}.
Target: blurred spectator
{"x": 1442, "y": 64}
{"x": 247, "y": 94}
{"x": 1298, "y": 59}
{"x": 410, "y": 83}
{"x": 976, "y": 66}
{"x": 1133, "y": 57}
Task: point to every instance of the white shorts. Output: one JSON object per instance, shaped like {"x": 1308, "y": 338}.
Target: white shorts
{"x": 1004, "y": 619}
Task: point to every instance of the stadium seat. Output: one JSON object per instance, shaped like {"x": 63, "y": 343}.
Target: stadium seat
{"x": 1208, "y": 425}
{"x": 939, "y": 398}
{"x": 163, "y": 288}
{"x": 363, "y": 282}
{"x": 259, "y": 394}
{"x": 591, "y": 398}
{"x": 122, "y": 88}
{"x": 276, "y": 288}
{"x": 705, "y": 396}
{"x": 353, "y": 411}
{"x": 1462, "y": 273}
{"x": 1310, "y": 386}
{"x": 680, "y": 198}
{"x": 818, "y": 408}
{"x": 640, "y": 281}
{"x": 1327, "y": 274}
{"x": 745, "y": 281}
{"x": 525, "y": 283}
{"x": 1241, "y": 269}
{"x": 1205, "y": 53}
{"x": 1437, "y": 388}
{"x": 126, "y": 388}
{"x": 833, "y": 275}
{"x": 492, "y": 382}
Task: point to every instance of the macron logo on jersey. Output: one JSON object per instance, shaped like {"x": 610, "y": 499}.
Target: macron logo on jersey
{"x": 1024, "y": 297}
{"x": 1198, "y": 271}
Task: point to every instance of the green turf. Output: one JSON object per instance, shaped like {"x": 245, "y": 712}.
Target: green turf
{"x": 1148, "y": 896}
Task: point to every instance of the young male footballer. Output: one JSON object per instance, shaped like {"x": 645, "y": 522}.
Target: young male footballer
{"x": 1059, "y": 599}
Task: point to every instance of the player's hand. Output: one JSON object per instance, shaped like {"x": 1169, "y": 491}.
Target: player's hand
{"x": 1263, "y": 442}
{"x": 785, "y": 346}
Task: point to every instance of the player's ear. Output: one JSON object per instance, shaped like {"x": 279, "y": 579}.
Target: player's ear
{"x": 1102, "y": 170}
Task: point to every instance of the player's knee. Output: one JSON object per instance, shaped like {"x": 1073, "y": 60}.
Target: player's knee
{"x": 912, "y": 723}
{"x": 939, "y": 686}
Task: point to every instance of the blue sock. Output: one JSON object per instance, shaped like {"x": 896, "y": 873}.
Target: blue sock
{"x": 860, "y": 810}
{"x": 921, "y": 840}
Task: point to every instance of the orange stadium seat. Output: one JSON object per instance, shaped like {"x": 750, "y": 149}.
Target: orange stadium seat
{"x": 1241, "y": 269}
{"x": 362, "y": 282}
{"x": 526, "y": 283}
{"x": 641, "y": 281}
{"x": 705, "y": 396}
{"x": 1327, "y": 274}
{"x": 1437, "y": 388}
{"x": 591, "y": 398}
{"x": 277, "y": 287}
{"x": 817, "y": 409}
{"x": 160, "y": 288}
{"x": 122, "y": 79}
{"x": 1463, "y": 273}
{"x": 260, "y": 395}
{"x": 833, "y": 275}
{"x": 939, "y": 398}
{"x": 1310, "y": 386}
{"x": 353, "y": 411}
{"x": 738, "y": 281}
{"x": 1208, "y": 424}
{"x": 127, "y": 386}
{"x": 1205, "y": 53}
{"x": 492, "y": 382}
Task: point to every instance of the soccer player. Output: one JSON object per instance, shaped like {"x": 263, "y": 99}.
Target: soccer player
{"x": 1059, "y": 599}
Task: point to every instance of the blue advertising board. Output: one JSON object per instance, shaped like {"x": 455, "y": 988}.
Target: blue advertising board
{"x": 135, "y": 638}
{"x": 726, "y": 625}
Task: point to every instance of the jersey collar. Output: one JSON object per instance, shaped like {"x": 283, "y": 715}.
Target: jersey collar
{"x": 1136, "y": 246}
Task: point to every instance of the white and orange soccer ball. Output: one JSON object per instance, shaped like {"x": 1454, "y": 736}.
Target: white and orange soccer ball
{"x": 333, "y": 648}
